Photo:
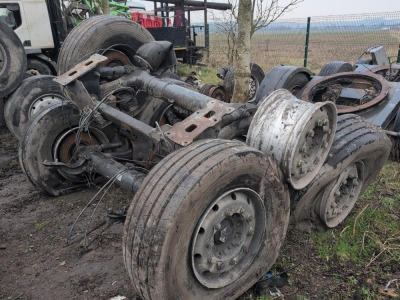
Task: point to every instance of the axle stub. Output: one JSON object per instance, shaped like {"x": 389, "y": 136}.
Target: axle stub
{"x": 297, "y": 134}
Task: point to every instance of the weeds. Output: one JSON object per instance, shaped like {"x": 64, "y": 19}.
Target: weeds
{"x": 204, "y": 74}
{"x": 372, "y": 234}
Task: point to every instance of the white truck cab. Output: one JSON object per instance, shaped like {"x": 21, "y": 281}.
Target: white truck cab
{"x": 30, "y": 21}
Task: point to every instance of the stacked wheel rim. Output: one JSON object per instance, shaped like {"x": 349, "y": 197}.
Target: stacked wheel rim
{"x": 296, "y": 133}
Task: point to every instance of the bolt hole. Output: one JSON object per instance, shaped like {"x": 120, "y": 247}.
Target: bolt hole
{"x": 215, "y": 207}
{"x": 201, "y": 230}
{"x": 191, "y": 128}
{"x": 197, "y": 255}
{"x": 233, "y": 196}
{"x": 209, "y": 114}
{"x": 206, "y": 273}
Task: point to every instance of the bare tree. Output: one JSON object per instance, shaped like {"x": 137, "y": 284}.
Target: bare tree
{"x": 239, "y": 26}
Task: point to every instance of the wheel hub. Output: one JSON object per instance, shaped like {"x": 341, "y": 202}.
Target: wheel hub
{"x": 42, "y": 103}
{"x": 65, "y": 146}
{"x": 225, "y": 235}
{"x": 339, "y": 198}
{"x": 115, "y": 59}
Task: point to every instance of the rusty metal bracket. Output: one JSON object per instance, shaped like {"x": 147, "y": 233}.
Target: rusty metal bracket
{"x": 80, "y": 69}
{"x": 185, "y": 132}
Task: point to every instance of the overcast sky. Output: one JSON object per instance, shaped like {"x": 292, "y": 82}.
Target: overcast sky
{"x": 309, "y": 8}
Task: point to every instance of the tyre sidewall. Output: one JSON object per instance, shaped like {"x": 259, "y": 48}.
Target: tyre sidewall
{"x": 18, "y": 105}
{"x": 13, "y": 70}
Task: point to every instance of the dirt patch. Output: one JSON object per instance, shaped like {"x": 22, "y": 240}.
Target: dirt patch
{"x": 35, "y": 260}
{"x": 37, "y": 263}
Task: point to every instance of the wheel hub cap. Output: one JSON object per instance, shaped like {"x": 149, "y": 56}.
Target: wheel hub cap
{"x": 227, "y": 237}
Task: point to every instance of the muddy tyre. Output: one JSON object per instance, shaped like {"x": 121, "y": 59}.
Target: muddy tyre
{"x": 50, "y": 136}
{"x": 33, "y": 96}
{"x": 357, "y": 155}
{"x": 256, "y": 76}
{"x": 116, "y": 37}
{"x": 289, "y": 78}
{"x": 12, "y": 60}
{"x": 334, "y": 67}
{"x": 178, "y": 227}
{"x": 38, "y": 67}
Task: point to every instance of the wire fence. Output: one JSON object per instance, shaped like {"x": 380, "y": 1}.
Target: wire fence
{"x": 340, "y": 37}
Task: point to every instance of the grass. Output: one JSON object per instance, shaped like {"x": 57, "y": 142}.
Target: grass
{"x": 371, "y": 235}
{"x": 354, "y": 260}
{"x": 203, "y": 73}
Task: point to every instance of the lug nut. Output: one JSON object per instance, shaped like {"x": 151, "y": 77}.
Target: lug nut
{"x": 220, "y": 265}
{"x": 250, "y": 231}
{"x": 234, "y": 261}
{"x": 337, "y": 193}
{"x": 228, "y": 213}
{"x": 217, "y": 226}
{"x": 210, "y": 244}
{"x": 249, "y": 218}
{"x": 355, "y": 182}
{"x": 245, "y": 249}
{"x": 209, "y": 260}
{"x": 304, "y": 148}
{"x": 311, "y": 133}
{"x": 300, "y": 163}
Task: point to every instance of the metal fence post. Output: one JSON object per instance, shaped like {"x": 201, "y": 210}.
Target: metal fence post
{"x": 207, "y": 40}
{"x": 398, "y": 55}
{"x": 307, "y": 41}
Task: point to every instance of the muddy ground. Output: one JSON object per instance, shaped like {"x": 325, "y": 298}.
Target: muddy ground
{"x": 37, "y": 263}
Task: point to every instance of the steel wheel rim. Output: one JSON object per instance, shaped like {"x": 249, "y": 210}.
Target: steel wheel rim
{"x": 253, "y": 87}
{"x": 41, "y": 103}
{"x": 227, "y": 237}
{"x": 339, "y": 198}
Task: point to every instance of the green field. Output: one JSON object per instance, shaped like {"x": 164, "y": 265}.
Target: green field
{"x": 274, "y": 48}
